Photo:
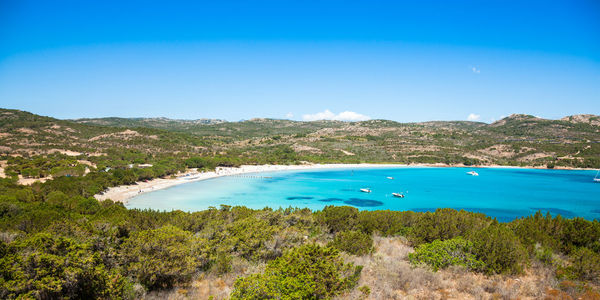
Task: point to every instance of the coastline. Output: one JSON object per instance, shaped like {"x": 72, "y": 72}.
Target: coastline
{"x": 125, "y": 192}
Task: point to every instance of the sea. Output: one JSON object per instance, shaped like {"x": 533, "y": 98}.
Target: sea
{"x": 503, "y": 193}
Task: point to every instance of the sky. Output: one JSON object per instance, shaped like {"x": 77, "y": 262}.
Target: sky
{"x": 304, "y": 60}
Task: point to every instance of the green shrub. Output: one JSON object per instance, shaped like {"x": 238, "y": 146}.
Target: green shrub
{"x": 25, "y": 195}
{"x": 246, "y": 238}
{"x": 305, "y": 272}
{"x": 353, "y": 242}
{"x": 445, "y": 224}
{"x": 338, "y": 218}
{"x": 544, "y": 255}
{"x": 222, "y": 263}
{"x": 46, "y": 266}
{"x": 442, "y": 254}
{"x": 161, "y": 257}
{"x": 365, "y": 290}
{"x": 585, "y": 264}
{"x": 499, "y": 248}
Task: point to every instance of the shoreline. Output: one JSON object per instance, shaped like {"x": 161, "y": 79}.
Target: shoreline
{"x": 125, "y": 192}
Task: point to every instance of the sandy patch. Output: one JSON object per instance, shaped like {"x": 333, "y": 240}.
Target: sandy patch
{"x": 26, "y": 130}
{"x": 30, "y": 181}
{"x": 534, "y": 156}
{"x": 65, "y": 152}
{"x": 346, "y": 152}
{"x": 96, "y": 154}
{"x": 123, "y": 134}
{"x": 2, "y": 166}
{"x": 301, "y": 148}
{"x": 87, "y": 163}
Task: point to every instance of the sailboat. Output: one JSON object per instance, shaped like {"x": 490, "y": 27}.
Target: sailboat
{"x": 597, "y": 179}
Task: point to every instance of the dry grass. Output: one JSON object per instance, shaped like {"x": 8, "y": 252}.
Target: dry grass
{"x": 389, "y": 275}
{"x": 210, "y": 284}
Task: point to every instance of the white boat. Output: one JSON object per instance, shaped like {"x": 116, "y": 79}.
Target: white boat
{"x": 597, "y": 179}
{"x": 398, "y": 195}
{"x": 390, "y": 177}
{"x": 473, "y": 173}
{"x": 365, "y": 190}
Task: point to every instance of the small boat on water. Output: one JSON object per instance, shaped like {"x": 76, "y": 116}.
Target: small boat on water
{"x": 389, "y": 177}
{"x": 365, "y": 190}
{"x": 399, "y": 195}
{"x": 473, "y": 173}
{"x": 597, "y": 179}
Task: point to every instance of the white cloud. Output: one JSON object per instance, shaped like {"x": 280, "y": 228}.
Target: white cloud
{"x": 289, "y": 115}
{"x": 475, "y": 70}
{"x": 343, "y": 116}
{"x": 473, "y": 117}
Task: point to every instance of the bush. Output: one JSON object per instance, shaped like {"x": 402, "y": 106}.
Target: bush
{"x": 306, "y": 272}
{"x": 446, "y": 224}
{"x": 46, "y": 266}
{"x": 25, "y": 195}
{"x": 338, "y": 218}
{"x": 161, "y": 257}
{"x": 585, "y": 264}
{"x": 499, "y": 248}
{"x": 442, "y": 254}
{"x": 353, "y": 242}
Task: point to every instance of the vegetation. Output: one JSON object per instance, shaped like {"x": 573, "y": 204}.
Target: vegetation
{"x": 353, "y": 242}
{"x": 442, "y": 254}
{"x": 53, "y": 244}
{"x": 58, "y": 241}
{"x": 306, "y": 272}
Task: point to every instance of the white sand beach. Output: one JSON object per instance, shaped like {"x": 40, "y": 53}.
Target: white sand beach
{"x": 125, "y": 192}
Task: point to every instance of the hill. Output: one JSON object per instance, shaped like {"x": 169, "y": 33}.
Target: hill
{"x": 517, "y": 140}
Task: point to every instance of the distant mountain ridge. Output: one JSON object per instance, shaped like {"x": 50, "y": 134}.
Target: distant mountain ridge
{"x": 120, "y": 121}
{"x": 518, "y": 140}
{"x": 159, "y": 122}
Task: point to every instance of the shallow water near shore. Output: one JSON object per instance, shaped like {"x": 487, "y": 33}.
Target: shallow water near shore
{"x": 504, "y": 193}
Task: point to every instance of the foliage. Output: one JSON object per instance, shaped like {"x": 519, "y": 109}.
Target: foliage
{"x": 500, "y": 249}
{"x": 353, "y": 242}
{"x": 585, "y": 264}
{"x": 442, "y": 254}
{"x": 46, "y": 266}
{"x": 306, "y": 272}
{"x": 338, "y": 218}
{"x": 446, "y": 224}
{"x": 161, "y": 257}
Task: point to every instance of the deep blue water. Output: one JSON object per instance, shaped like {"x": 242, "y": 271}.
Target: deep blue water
{"x": 504, "y": 193}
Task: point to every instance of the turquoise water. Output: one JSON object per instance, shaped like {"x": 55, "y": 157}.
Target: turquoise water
{"x": 504, "y": 193}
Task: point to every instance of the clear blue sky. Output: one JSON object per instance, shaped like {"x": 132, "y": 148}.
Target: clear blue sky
{"x": 399, "y": 60}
